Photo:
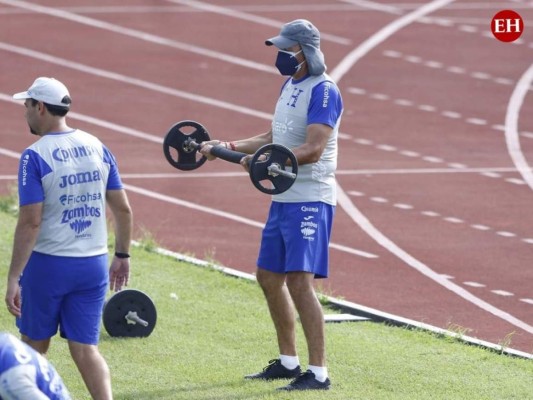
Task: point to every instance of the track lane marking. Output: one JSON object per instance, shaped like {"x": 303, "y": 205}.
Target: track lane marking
{"x": 427, "y": 213}
{"x": 159, "y": 196}
{"x": 429, "y": 108}
{"x": 133, "y": 81}
{"x": 512, "y": 139}
{"x": 242, "y": 15}
{"x": 148, "y": 37}
{"x": 353, "y": 212}
{"x": 412, "y": 262}
{"x": 361, "y": 51}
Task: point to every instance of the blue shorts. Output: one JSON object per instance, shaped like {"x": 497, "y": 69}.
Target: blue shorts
{"x": 296, "y": 238}
{"x": 64, "y": 292}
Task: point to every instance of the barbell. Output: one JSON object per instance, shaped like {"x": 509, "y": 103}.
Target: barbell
{"x": 183, "y": 141}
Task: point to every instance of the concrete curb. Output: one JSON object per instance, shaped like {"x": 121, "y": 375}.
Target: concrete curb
{"x": 365, "y": 313}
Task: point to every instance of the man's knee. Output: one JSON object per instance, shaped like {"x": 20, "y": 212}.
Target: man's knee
{"x": 269, "y": 281}
{"x": 81, "y": 351}
{"x": 41, "y": 346}
{"x": 300, "y": 283}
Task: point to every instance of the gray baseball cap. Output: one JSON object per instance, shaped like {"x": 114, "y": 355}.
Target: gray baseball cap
{"x": 304, "y": 33}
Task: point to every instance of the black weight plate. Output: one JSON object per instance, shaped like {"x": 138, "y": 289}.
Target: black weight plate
{"x": 276, "y": 154}
{"x": 120, "y": 304}
{"x": 177, "y": 150}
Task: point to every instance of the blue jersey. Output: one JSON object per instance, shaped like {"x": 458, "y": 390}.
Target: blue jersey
{"x": 26, "y": 374}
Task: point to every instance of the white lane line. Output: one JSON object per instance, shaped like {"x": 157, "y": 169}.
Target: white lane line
{"x": 188, "y": 175}
{"x": 348, "y": 63}
{"x": 423, "y": 107}
{"x": 230, "y": 216}
{"x": 432, "y": 159}
{"x": 133, "y": 81}
{"x": 457, "y": 166}
{"x": 490, "y": 174}
{"x": 450, "y": 219}
{"x": 454, "y": 69}
{"x": 481, "y": 227}
{"x": 474, "y": 284}
{"x": 528, "y": 301}
{"x": 429, "y": 108}
{"x": 506, "y": 234}
{"x": 374, "y": 6}
{"x": 502, "y": 293}
{"x": 233, "y": 13}
{"x": 9, "y": 153}
{"x": 516, "y": 181}
{"x": 380, "y": 238}
{"x": 454, "y": 220}
{"x": 99, "y": 122}
{"x": 353, "y": 251}
{"x": 386, "y": 147}
{"x": 512, "y": 138}
{"x": 409, "y": 153}
{"x": 80, "y": 19}
{"x": 430, "y": 213}
{"x": 383, "y": 34}
{"x": 403, "y": 206}
{"x": 209, "y": 210}
{"x": 344, "y": 66}
{"x": 448, "y": 170}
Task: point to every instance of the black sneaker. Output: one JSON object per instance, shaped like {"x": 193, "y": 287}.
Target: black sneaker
{"x": 275, "y": 370}
{"x": 307, "y": 381}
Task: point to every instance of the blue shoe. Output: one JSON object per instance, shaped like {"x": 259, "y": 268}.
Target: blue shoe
{"x": 307, "y": 381}
{"x": 275, "y": 370}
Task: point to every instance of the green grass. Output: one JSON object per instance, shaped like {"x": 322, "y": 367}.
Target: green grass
{"x": 217, "y": 329}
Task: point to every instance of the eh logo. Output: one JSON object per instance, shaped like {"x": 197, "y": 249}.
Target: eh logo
{"x": 507, "y": 26}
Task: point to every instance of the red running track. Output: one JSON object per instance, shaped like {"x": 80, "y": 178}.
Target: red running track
{"x": 435, "y": 218}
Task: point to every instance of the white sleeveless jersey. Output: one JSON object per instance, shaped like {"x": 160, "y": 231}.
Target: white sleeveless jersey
{"x": 315, "y": 182}
{"x": 70, "y": 173}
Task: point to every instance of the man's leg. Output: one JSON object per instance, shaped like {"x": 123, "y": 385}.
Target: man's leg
{"x": 38, "y": 345}
{"x": 300, "y": 285}
{"x": 93, "y": 369}
{"x": 281, "y": 309}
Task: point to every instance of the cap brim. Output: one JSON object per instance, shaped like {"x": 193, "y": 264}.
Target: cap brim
{"x": 281, "y": 42}
{"x": 21, "y": 96}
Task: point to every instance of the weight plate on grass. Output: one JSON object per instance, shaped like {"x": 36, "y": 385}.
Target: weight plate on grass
{"x": 129, "y": 313}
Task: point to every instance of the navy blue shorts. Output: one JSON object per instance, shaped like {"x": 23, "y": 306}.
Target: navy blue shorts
{"x": 296, "y": 238}
{"x": 64, "y": 292}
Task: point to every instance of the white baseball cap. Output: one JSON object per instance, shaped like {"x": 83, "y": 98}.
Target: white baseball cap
{"x": 47, "y": 90}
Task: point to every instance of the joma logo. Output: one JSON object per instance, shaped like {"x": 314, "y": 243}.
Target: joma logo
{"x": 80, "y": 177}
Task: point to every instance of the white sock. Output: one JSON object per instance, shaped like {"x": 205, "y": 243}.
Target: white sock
{"x": 289, "y": 362}
{"x": 321, "y": 373}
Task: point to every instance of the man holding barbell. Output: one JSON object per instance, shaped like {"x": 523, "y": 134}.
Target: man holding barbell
{"x": 295, "y": 240}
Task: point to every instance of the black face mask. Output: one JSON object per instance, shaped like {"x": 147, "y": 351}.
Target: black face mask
{"x": 287, "y": 63}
